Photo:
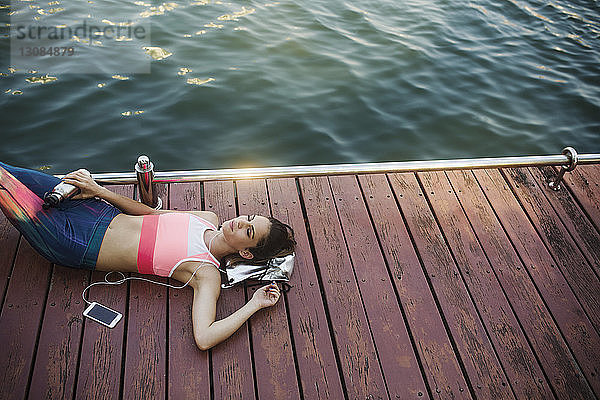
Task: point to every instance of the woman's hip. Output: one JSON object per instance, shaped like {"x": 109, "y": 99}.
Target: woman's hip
{"x": 69, "y": 234}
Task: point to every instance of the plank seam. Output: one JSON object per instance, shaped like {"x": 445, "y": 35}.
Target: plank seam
{"x": 211, "y": 387}
{"x": 167, "y": 319}
{"x": 251, "y": 344}
{"x": 124, "y": 345}
{"x": 288, "y": 317}
{"x": 167, "y": 326}
{"x": 434, "y": 296}
{"x": 293, "y": 344}
{"x": 321, "y": 288}
{"x": 364, "y": 308}
{"x": 12, "y": 267}
{"x": 78, "y": 363}
{"x": 39, "y": 331}
{"x": 248, "y": 322}
{"x": 395, "y": 288}
{"x": 125, "y": 324}
{"x": 202, "y": 201}
{"x": 165, "y": 363}
{"x": 210, "y": 352}
{"x": 523, "y": 265}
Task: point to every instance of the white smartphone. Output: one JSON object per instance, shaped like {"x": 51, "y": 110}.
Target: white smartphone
{"x": 102, "y": 314}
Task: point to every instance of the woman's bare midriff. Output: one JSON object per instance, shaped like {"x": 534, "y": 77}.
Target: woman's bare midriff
{"x": 119, "y": 248}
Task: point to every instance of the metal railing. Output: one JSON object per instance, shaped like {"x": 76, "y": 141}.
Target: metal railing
{"x": 563, "y": 160}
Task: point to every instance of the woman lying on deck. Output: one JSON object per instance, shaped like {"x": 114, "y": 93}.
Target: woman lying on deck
{"x": 99, "y": 229}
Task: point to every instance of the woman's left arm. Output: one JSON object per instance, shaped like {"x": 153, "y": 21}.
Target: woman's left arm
{"x": 207, "y": 331}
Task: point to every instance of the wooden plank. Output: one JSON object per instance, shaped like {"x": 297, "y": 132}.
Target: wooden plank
{"x": 564, "y": 375}
{"x": 189, "y": 375}
{"x": 398, "y": 361}
{"x": 272, "y": 349}
{"x": 20, "y": 320}
{"x": 231, "y": 360}
{"x": 319, "y": 376}
{"x": 55, "y": 367}
{"x": 99, "y": 375}
{"x": 571, "y": 262}
{"x": 145, "y": 357}
{"x": 572, "y": 216}
{"x": 475, "y": 350}
{"x": 579, "y": 333}
{"x": 146, "y": 353}
{"x": 9, "y": 238}
{"x": 438, "y": 360}
{"x": 524, "y": 373}
{"x": 584, "y": 182}
{"x": 362, "y": 376}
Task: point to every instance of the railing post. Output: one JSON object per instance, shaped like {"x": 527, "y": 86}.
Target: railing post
{"x": 144, "y": 170}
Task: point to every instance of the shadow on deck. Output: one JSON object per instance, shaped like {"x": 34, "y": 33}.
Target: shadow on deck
{"x": 476, "y": 284}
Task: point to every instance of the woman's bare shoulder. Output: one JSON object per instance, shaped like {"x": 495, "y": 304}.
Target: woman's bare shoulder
{"x": 209, "y": 216}
{"x": 207, "y": 276}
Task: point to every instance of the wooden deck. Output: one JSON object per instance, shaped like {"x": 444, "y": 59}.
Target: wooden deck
{"x": 476, "y": 284}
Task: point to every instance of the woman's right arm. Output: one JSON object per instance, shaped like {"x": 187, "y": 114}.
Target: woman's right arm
{"x": 89, "y": 188}
{"x": 125, "y": 204}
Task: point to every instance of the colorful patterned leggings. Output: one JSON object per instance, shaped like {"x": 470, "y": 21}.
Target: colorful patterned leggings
{"x": 70, "y": 234}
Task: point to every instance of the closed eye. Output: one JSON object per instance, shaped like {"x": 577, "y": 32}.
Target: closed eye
{"x": 251, "y": 229}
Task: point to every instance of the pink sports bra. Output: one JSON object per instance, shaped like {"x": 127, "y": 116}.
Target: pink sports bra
{"x": 169, "y": 239}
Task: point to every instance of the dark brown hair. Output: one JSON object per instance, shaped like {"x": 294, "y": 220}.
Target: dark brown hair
{"x": 279, "y": 242}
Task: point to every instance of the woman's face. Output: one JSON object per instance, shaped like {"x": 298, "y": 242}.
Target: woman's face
{"x": 245, "y": 231}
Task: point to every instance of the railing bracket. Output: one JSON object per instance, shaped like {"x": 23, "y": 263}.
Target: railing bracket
{"x": 554, "y": 183}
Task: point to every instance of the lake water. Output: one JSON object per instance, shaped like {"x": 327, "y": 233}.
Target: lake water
{"x": 255, "y": 83}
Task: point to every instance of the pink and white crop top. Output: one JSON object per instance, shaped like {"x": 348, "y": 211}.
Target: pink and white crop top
{"x": 169, "y": 239}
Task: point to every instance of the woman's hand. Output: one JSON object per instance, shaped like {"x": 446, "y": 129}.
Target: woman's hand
{"x": 266, "y": 296}
{"x": 84, "y": 181}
